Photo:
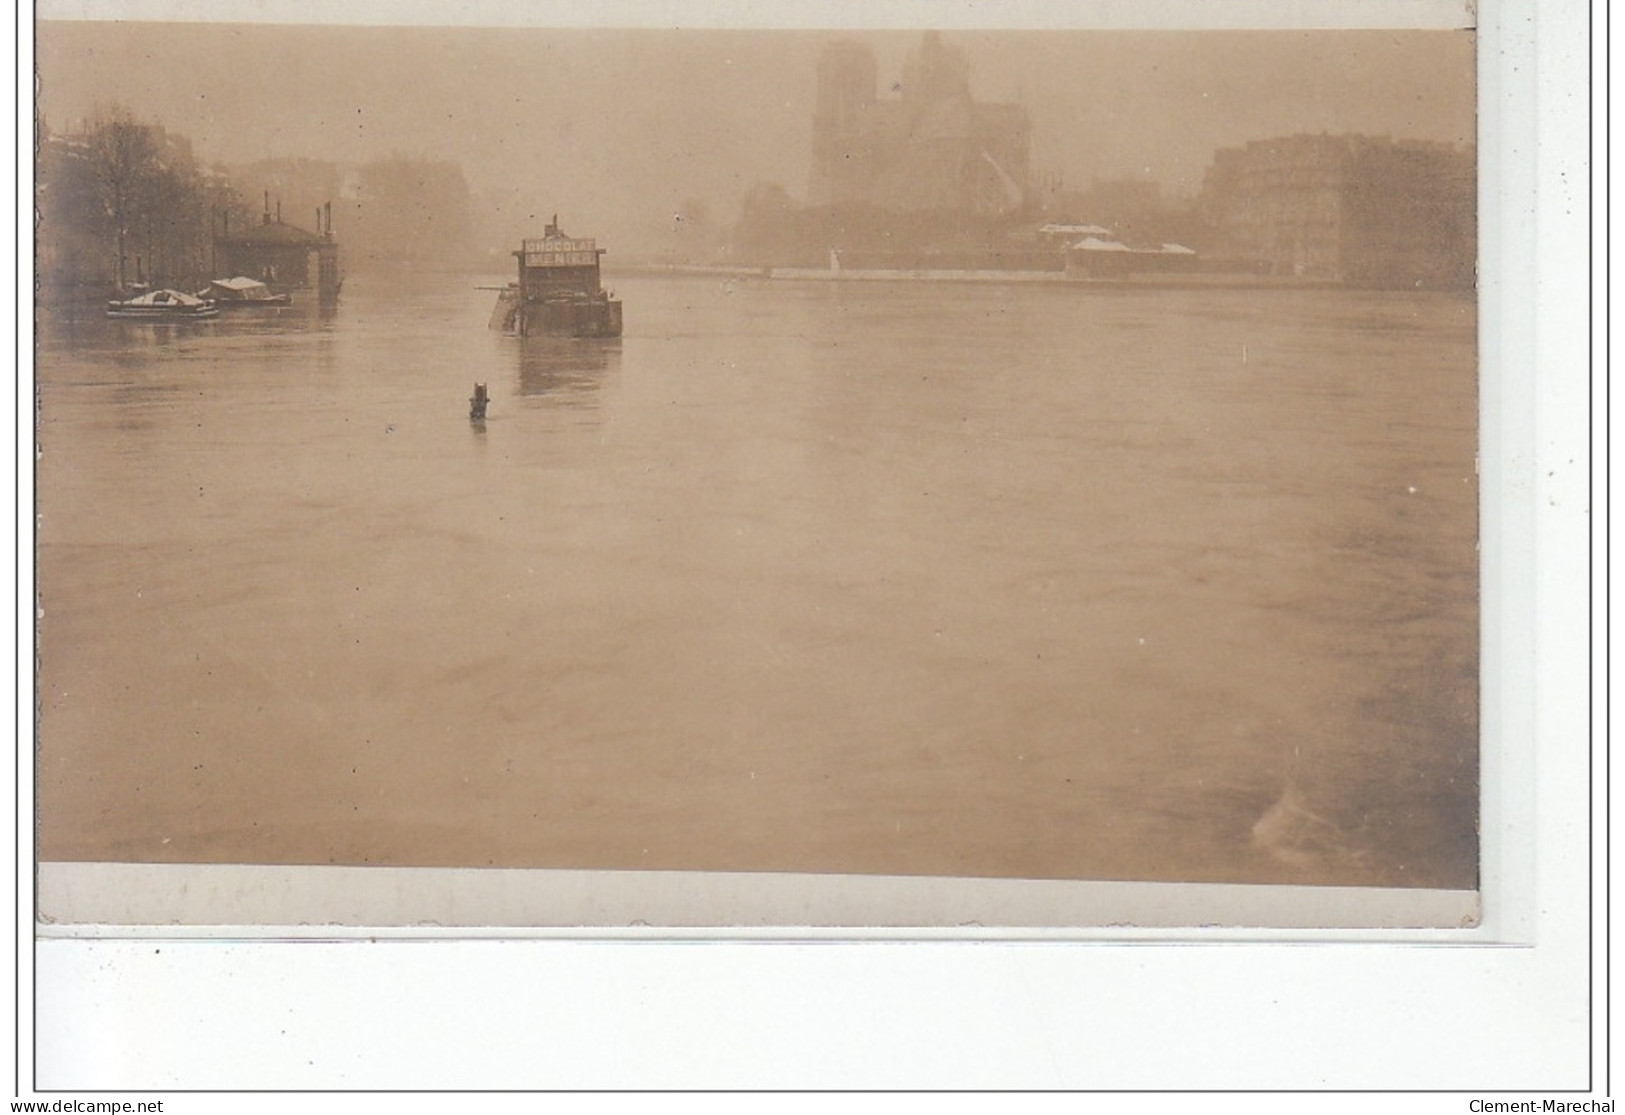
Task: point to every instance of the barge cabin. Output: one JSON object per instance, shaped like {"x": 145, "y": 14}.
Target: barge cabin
{"x": 559, "y": 292}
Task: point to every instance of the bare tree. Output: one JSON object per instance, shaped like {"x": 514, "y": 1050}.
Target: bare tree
{"x": 124, "y": 160}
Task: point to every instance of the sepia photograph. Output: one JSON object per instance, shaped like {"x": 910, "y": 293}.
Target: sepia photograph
{"x": 1013, "y": 456}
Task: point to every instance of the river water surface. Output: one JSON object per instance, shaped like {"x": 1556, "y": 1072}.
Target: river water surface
{"x": 911, "y": 578}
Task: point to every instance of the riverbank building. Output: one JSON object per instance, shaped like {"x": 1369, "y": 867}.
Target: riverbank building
{"x": 1353, "y": 209}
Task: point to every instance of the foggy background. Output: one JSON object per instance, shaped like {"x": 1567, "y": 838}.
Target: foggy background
{"x": 897, "y": 580}
{"x": 618, "y": 130}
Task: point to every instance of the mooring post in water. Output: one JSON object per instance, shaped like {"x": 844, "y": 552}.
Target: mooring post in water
{"x": 476, "y": 404}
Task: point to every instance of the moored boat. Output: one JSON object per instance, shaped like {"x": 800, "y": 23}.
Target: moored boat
{"x": 163, "y": 305}
{"x": 241, "y": 293}
{"x": 559, "y": 292}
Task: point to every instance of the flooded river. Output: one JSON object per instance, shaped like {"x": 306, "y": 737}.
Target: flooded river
{"x": 911, "y": 578}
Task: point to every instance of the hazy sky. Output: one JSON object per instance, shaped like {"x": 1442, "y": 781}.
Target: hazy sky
{"x": 616, "y": 128}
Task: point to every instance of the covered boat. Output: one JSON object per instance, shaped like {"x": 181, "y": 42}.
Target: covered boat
{"x": 241, "y": 292}
{"x": 558, "y": 293}
{"x": 163, "y": 305}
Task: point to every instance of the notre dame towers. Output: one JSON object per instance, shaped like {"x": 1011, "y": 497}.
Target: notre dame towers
{"x": 934, "y": 148}
{"x": 846, "y": 99}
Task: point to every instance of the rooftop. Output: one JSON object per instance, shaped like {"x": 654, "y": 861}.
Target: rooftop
{"x": 273, "y": 232}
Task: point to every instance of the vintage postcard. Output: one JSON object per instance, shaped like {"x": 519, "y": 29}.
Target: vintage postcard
{"x": 581, "y": 475}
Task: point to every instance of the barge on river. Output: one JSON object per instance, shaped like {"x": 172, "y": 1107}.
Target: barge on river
{"x": 559, "y": 292}
{"x": 163, "y": 305}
